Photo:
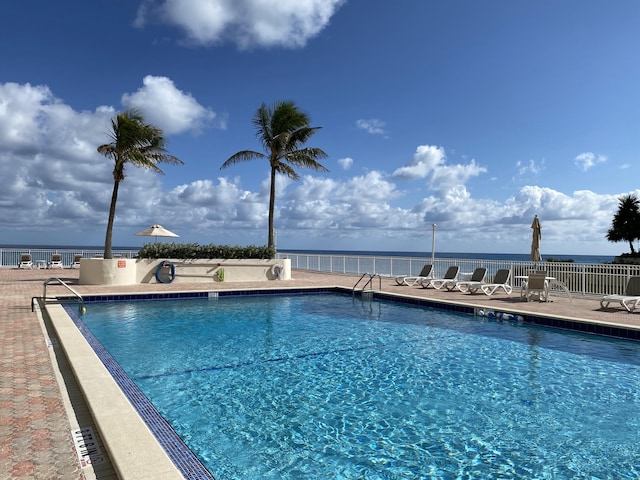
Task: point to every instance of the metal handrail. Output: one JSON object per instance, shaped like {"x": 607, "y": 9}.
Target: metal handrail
{"x": 370, "y": 281}
{"x": 60, "y": 282}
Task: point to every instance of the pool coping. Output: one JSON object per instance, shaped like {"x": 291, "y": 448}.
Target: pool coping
{"x": 119, "y": 417}
{"x": 134, "y": 451}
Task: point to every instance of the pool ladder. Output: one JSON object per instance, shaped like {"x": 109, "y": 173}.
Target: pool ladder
{"x": 60, "y": 282}
{"x": 369, "y": 283}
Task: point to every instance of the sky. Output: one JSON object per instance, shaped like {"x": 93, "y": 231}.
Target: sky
{"x": 471, "y": 115}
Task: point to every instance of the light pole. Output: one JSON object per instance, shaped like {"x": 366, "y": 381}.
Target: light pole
{"x": 433, "y": 243}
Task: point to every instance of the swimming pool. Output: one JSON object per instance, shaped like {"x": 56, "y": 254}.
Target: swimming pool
{"x": 324, "y": 386}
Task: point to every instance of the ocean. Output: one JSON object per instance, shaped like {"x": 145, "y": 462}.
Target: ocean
{"x": 453, "y": 255}
{"x": 471, "y": 256}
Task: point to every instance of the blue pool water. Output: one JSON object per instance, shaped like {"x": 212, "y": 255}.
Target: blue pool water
{"x": 324, "y": 386}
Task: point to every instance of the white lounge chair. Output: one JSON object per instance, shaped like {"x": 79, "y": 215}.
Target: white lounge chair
{"x": 500, "y": 281}
{"x": 25, "y": 261}
{"x": 462, "y": 285}
{"x": 536, "y": 284}
{"x": 630, "y": 300}
{"x": 55, "y": 261}
{"x": 424, "y": 274}
{"x": 76, "y": 261}
{"x": 438, "y": 283}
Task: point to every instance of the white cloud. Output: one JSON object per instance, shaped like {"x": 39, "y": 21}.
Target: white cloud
{"x": 424, "y": 162}
{"x": 529, "y": 168}
{"x": 54, "y": 181}
{"x": 170, "y": 109}
{"x": 586, "y": 160}
{"x": 373, "y": 126}
{"x": 429, "y": 162}
{"x": 346, "y": 163}
{"x": 248, "y": 23}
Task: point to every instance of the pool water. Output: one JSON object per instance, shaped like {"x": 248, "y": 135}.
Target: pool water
{"x": 325, "y": 386}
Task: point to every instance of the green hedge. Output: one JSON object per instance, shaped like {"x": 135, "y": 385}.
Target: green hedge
{"x": 628, "y": 259}
{"x": 193, "y": 251}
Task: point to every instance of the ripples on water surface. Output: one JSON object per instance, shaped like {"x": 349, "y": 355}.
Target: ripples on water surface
{"x": 322, "y": 386}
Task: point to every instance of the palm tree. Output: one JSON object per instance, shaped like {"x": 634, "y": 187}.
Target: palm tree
{"x": 282, "y": 129}
{"x": 136, "y": 142}
{"x": 626, "y": 221}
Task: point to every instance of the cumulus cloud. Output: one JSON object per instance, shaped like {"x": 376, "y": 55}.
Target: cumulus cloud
{"x": 429, "y": 162}
{"x": 53, "y": 175}
{"x": 167, "y": 107}
{"x": 373, "y": 126}
{"x": 424, "y": 162}
{"x": 247, "y": 23}
{"x": 55, "y": 181}
{"x": 346, "y": 163}
{"x": 586, "y": 160}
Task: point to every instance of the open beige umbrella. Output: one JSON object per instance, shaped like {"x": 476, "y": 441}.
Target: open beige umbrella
{"x": 535, "y": 240}
{"x": 156, "y": 231}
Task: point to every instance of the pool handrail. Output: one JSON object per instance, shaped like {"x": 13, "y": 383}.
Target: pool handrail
{"x": 60, "y": 282}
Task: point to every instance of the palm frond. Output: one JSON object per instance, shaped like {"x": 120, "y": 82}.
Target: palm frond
{"x": 242, "y": 156}
{"x": 287, "y": 170}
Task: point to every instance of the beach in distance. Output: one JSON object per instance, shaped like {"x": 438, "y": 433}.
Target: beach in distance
{"x": 441, "y": 255}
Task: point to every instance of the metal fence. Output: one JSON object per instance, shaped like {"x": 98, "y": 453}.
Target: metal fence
{"x": 10, "y": 257}
{"x": 579, "y": 278}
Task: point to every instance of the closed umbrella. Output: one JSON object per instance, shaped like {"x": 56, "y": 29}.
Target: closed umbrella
{"x": 535, "y": 240}
{"x": 156, "y": 231}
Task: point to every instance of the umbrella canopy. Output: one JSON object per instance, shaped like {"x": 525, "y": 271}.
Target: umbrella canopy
{"x": 535, "y": 240}
{"x": 156, "y": 231}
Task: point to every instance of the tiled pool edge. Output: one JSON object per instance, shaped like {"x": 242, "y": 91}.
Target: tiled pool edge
{"x": 559, "y": 322}
{"x": 133, "y": 448}
{"x": 182, "y": 457}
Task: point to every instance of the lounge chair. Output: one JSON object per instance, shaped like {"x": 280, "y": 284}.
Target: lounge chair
{"x": 55, "y": 261}
{"x": 477, "y": 276}
{"x": 630, "y": 300}
{"x": 438, "y": 283}
{"x": 536, "y": 284}
{"x": 424, "y": 274}
{"x": 25, "y": 261}
{"x": 76, "y": 261}
{"x": 500, "y": 281}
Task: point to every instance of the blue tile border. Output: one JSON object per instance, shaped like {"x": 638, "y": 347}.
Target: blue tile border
{"x": 182, "y": 457}
{"x": 538, "y": 320}
{"x": 584, "y": 327}
{"x": 202, "y": 294}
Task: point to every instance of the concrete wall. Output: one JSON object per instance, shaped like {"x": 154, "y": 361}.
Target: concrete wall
{"x": 126, "y": 271}
{"x": 113, "y": 271}
{"x": 213, "y": 271}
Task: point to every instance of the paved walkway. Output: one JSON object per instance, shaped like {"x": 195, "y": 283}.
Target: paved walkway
{"x": 35, "y": 430}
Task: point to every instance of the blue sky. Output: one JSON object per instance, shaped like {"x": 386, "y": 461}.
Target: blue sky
{"x": 472, "y": 115}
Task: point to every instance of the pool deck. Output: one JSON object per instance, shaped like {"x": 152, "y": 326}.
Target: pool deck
{"x": 40, "y": 405}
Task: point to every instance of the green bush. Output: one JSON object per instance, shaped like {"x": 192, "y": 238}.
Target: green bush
{"x": 185, "y": 251}
{"x": 628, "y": 259}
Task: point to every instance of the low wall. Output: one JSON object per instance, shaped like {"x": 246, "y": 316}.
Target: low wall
{"x": 126, "y": 271}
{"x": 112, "y": 271}
{"x": 213, "y": 271}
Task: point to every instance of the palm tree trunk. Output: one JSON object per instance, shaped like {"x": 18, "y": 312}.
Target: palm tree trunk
{"x": 633, "y": 250}
{"x": 112, "y": 216}
{"x": 272, "y": 203}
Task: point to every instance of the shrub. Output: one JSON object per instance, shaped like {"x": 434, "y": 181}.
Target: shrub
{"x": 186, "y": 251}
